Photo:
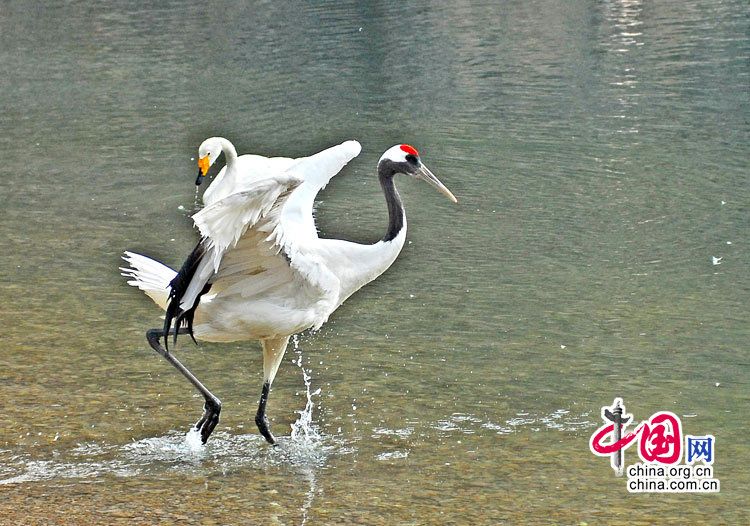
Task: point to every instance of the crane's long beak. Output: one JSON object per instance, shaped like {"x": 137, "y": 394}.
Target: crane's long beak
{"x": 426, "y": 175}
{"x": 203, "y": 165}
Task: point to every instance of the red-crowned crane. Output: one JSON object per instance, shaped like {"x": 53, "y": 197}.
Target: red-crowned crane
{"x": 260, "y": 271}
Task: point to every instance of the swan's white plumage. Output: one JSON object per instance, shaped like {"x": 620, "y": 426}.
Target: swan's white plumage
{"x": 270, "y": 274}
{"x": 245, "y": 170}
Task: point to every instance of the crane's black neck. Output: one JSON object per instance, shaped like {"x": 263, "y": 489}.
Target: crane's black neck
{"x": 386, "y": 171}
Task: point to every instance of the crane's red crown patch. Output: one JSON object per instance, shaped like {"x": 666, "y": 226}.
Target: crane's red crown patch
{"x": 410, "y": 150}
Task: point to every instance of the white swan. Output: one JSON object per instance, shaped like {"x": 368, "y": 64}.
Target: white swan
{"x": 238, "y": 172}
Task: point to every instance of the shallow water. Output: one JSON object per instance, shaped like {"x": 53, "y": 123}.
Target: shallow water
{"x": 599, "y": 152}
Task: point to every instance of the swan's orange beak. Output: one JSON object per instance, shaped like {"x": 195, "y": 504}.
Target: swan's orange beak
{"x": 203, "y": 165}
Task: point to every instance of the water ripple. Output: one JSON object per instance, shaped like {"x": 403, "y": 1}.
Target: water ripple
{"x": 558, "y": 420}
{"x": 174, "y": 451}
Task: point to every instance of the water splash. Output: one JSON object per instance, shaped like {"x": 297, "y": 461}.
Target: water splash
{"x": 306, "y": 451}
{"x": 196, "y": 200}
{"x": 305, "y": 435}
{"x": 173, "y": 452}
{"x": 303, "y": 430}
{"x": 193, "y": 439}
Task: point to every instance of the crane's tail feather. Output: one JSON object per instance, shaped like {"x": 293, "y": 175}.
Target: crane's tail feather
{"x": 150, "y": 276}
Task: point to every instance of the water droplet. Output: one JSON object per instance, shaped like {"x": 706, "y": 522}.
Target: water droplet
{"x": 196, "y": 203}
{"x": 303, "y": 429}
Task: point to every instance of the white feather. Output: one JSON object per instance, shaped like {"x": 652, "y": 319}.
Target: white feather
{"x": 316, "y": 171}
{"x": 270, "y": 274}
{"x": 224, "y": 221}
{"x": 150, "y": 276}
{"x": 243, "y": 172}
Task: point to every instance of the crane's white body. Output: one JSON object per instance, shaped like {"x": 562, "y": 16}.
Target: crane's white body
{"x": 271, "y": 275}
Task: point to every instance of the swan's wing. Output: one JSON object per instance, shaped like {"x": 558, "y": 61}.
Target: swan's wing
{"x": 315, "y": 171}
{"x": 222, "y": 224}
{"x": 225, "y": 221}
{"x": 253, "y": 167}
{"x": 257, "y": 224}
{"x": 248, "y": 250}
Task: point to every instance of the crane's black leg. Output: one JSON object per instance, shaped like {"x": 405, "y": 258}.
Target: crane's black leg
{"x": 273, "y": 352}
{"x": 261, "y": 420}
{"x": 212, "y": 407}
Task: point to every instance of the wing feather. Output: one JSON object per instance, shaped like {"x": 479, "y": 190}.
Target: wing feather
{"x": 316, "y": 171}
{"x": 225, "y": 221}
{"x": 261, "y": 242}
{"x": 221, "y": 224}
{"x": 253, "y": 168}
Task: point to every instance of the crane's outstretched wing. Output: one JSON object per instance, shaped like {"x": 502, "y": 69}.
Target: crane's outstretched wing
{"x": 287, "y": 229}
{"x": 315, "y": 171}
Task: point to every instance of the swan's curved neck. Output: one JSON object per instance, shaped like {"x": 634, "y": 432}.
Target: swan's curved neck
{"x": 228, "y": 178}
{"x": 230, "y": 154}
{"x": 396, "y": 216}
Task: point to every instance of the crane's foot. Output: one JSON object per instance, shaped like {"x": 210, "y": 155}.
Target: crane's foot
{"x": 261, "y": 420}
{"x": 210, "y": 418}
{"x": 212, "y": 408}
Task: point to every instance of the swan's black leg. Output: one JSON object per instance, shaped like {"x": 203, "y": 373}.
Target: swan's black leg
{"x": 212, "y": 407}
